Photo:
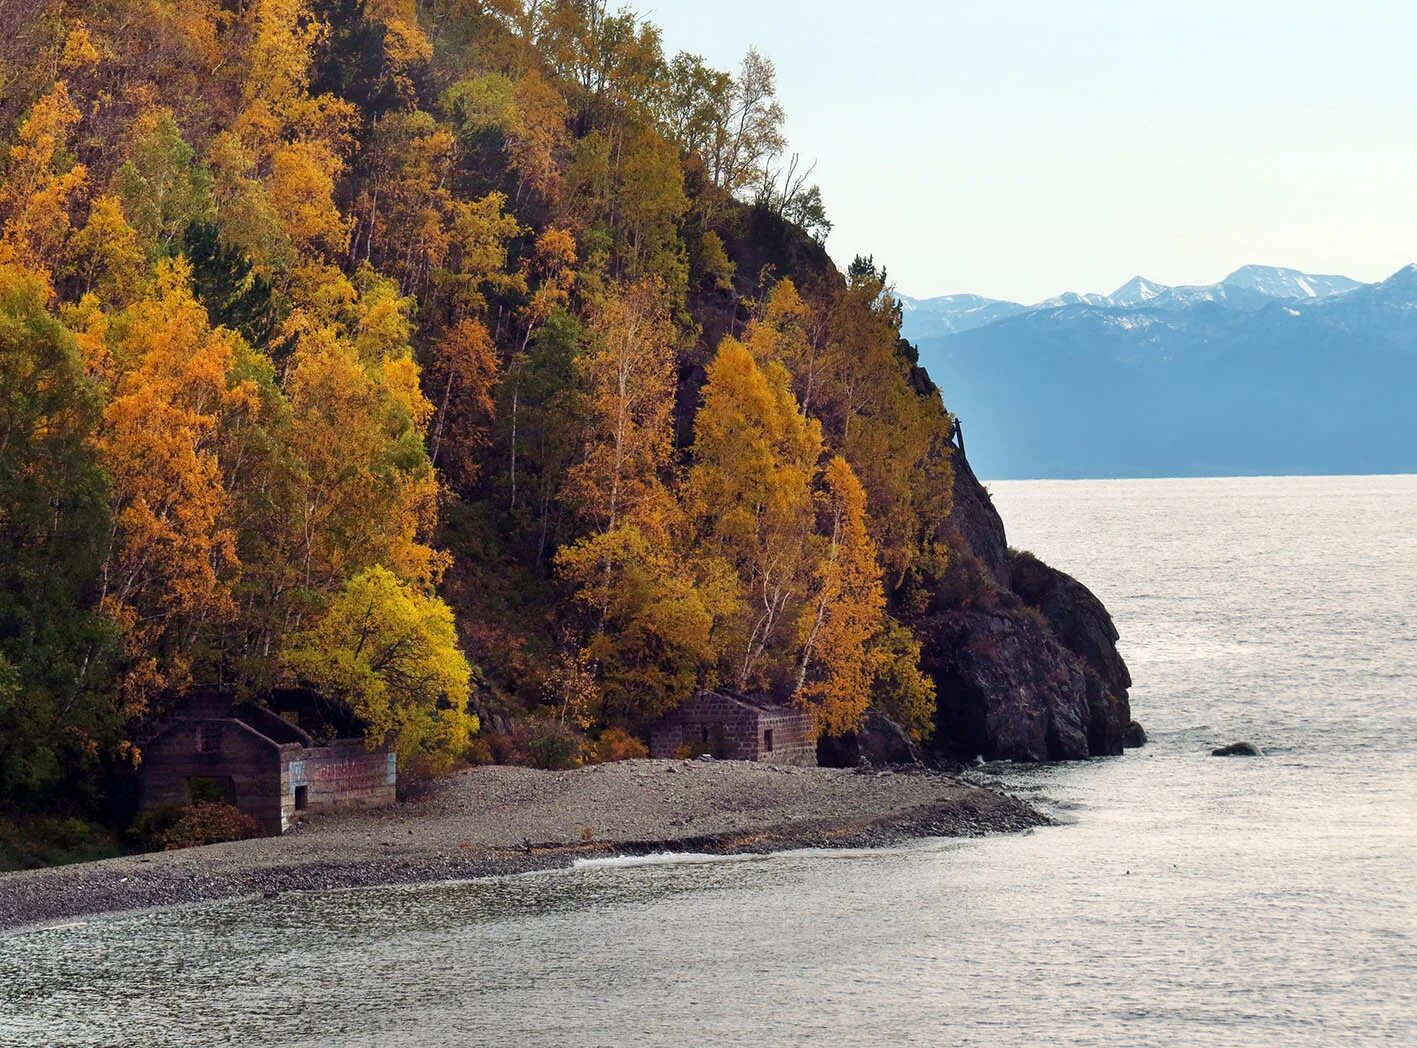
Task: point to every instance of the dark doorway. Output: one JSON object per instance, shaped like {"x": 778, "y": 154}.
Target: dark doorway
{"x": 767, "y": 740}
{"x": 302, "y": 798}
{"x": 211, "y": 789}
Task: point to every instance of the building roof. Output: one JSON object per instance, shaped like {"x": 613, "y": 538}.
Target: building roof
{"x": 212, "y": 703}
{"x": 757, "y": 702}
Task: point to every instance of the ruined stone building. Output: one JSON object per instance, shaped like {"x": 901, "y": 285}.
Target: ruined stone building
{"x": 736, "y": 727}
{"x": 213, "y": 748}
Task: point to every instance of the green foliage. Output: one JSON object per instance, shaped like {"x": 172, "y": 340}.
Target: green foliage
{"x": 440, "y": 265}
{"x": 54, "y": 529}
{"x": 711, "y": 264}
{"x": 223, "y": 281}
{"x": 554, "y": 747}
{"x": 902, "y": 692}
{"x": 53, "y": 841}
{"x": 163, "y": 189}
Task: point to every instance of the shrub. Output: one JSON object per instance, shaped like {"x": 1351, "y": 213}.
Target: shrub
{"x": 616, "y": 744}
{"x": 64, "y": 834}
{"x": 148, "y": 827}
{"x": 1037, "y": 617}
{"x": 479, "y": 751}
{"x": 966, "y": 583}
{"x": 32, "y": 843}
{"x": 554, "y": 747}
{"x": 205, "y": 823}
{"x": 506, "y": 749}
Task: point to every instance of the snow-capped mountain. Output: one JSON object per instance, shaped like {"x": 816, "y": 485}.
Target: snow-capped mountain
{"x": 1249, "y": 287}
{"x": 1136, "y": 292}
{"x": 1072, "y": 298}
{"x": 1288, "y": 283}
{"x": 1267, "y": 371}
{"x": 950, "y": 314}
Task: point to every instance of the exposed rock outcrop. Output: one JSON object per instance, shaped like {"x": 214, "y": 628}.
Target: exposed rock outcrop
{"x": 975, "y": 525}
{"x": 1023, "y": 656}
{"x": 1005, "y": 688}
{"x": 880, "y": 741}
{"x": 1076, "y": 615}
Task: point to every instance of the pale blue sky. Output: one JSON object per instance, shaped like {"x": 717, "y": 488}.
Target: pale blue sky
{"x": 1020, "y": 149}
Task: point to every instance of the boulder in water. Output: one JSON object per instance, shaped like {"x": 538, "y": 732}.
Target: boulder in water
{"x": 1237, "y": 749}
{"x": 1134, "y": 737}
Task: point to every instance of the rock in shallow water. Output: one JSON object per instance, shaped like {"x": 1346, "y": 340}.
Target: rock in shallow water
{"x": 1134, "y": 737}
{"x": 1237, "y": 749}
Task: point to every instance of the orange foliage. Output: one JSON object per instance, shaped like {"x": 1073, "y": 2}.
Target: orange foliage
{"x": 174, "y": 554}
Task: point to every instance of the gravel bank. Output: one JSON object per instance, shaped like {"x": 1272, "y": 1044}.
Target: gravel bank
{"x": 500, "y": 820}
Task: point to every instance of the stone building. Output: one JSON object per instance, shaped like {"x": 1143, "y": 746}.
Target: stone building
{"x": 213, "y": 748}
{"x": 737, "y": 727}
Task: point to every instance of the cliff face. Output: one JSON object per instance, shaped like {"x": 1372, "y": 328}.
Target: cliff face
{"x": 1023, "y": 656}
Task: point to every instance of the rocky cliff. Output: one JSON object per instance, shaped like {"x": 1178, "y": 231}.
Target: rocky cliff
{"x": 1024, "y": 657}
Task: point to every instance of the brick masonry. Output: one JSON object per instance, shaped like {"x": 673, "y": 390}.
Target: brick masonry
{"x": 267, "y": 768}
{"x": 737, "y": 727}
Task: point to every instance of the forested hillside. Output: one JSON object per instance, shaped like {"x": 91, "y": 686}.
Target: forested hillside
{"x": 449, "y": 358}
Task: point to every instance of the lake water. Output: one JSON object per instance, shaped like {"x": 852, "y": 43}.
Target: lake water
{"x": 1188, "y": 901}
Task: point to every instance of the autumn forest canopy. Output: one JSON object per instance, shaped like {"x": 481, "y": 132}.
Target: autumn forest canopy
{"x": 461, "y": 361}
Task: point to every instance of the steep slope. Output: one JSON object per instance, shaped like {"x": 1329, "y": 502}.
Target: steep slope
{"x": 1023, "y": 656}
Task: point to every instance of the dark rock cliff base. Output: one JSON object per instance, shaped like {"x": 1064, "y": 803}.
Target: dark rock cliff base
{"x": 1024, "y": 657}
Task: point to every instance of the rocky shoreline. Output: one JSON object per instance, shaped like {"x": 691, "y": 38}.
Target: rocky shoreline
{"x": 497, "y": 821}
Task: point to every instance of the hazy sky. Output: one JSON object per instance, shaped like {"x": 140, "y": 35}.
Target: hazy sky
{"x": 1020, "y": 148}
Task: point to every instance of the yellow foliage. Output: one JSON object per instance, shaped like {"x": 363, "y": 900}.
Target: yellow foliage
{"x": 40, "y": 185}
{"x": 629, "y": 378}
{"x": 301, "y": 188}
{"x": 389, "y": 651}
{"x": 367, "y": 492}
{"x": 749, "y": 494}
{"x": 464, "y": 367}
{"x": 653, "y": 641}
{"x": 552, "y": 274}
{"x": 902, "y": 690}
{"x": 245, "y": 214}
{"x": 80, "y": 52}
{"x": 105, "y": 254}
{"x": 839, "y": 662}
{"x": 174, "y": 555}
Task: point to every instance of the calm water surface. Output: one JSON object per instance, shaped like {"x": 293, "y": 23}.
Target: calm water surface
{"x": 1189, "y": 901}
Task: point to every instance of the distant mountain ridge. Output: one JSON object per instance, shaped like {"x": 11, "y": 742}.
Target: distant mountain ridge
{"x": 1247, "y": 288}
{"x": 1270, "y": 370}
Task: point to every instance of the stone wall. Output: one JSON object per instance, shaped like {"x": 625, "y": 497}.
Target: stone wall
{"x": 732, "y": 729}
{"x": 794, "y": 737}
{"x": 226, "y": 751}
{"x": 263, "y": 778}
{"x": 342, "y": 775}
